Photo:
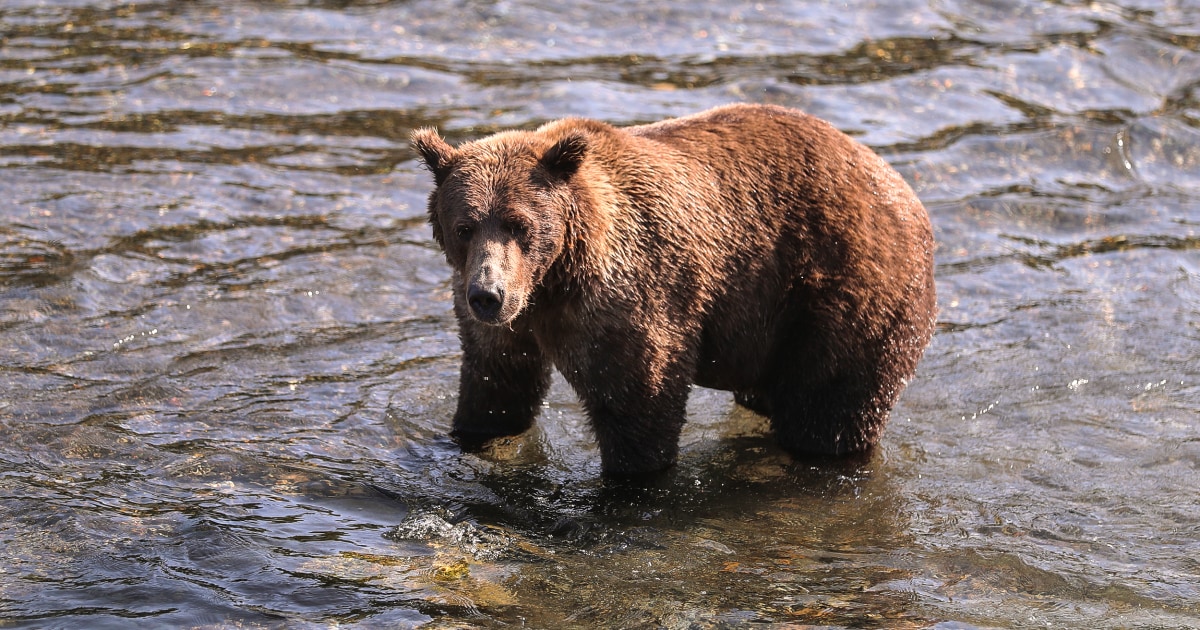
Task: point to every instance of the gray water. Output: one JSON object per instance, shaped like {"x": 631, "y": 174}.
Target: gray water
{"x": 229, "y": 363}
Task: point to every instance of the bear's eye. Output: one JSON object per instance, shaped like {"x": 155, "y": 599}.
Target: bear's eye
{"x": 516, "y": 229}
{"x": 464, "y": 232}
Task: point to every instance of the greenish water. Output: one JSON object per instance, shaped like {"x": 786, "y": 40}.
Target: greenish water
{"x": 229, "y": 363}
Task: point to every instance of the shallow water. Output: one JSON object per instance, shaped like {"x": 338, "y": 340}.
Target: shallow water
{"x": 229, "y": 360}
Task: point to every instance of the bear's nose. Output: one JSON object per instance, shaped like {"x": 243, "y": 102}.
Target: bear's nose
{"x": 485, "y": 302}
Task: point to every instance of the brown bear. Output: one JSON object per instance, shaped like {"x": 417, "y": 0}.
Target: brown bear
{"x": 748, "y": 248}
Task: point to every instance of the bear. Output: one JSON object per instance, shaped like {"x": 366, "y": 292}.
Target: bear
{"x": 749, "y": 248}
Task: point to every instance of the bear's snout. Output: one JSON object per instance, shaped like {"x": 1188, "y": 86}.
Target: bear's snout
{"x": 494, "y": 288}
{"x": 485, "y": 300}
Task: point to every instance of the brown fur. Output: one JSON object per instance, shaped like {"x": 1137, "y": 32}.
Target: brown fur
{"x": 748, "y": 248}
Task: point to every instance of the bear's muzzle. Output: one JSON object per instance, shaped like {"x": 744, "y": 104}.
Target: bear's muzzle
{"x": 485, "y": 300}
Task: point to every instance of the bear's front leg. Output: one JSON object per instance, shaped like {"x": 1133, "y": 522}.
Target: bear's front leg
{"x": 503, "y": 381}
{"x": 637, "y": 407}
{"x": 638, "y": 436}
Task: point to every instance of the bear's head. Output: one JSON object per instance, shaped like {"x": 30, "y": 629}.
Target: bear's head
{"x": 500, "y": 213}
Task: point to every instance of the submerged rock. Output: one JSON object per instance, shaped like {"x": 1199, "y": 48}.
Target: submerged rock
{"x": 483, "y": 542}
{"x": 422, "y": 525}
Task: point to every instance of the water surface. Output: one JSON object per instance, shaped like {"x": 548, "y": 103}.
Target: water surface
{"x": 230, "y": 363}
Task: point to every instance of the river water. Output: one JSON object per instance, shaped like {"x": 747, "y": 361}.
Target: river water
{"x": 229, "y": 363}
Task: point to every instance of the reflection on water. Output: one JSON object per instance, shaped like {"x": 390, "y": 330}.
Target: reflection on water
{"x": 230, "y": 363}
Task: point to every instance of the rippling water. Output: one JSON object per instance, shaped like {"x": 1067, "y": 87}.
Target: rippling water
{"x": 229, "y": 362}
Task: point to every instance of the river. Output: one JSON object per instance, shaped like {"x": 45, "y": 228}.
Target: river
{"x": 229, "y": 362}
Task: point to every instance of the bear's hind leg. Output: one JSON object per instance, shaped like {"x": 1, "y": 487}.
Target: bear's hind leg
{"x": 843, "y": 415}
{"x": 753, "y": 401}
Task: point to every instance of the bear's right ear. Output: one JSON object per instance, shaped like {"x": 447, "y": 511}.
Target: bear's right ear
{"x": 564, "y": 158}
{"x": 437, "y": 154}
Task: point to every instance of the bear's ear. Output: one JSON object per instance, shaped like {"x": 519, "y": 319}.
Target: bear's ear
{"x": 564, "y": 158}
{"x": 437, "y": 154}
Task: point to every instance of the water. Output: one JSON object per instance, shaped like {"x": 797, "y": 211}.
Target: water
{"x": 229, "y": 362}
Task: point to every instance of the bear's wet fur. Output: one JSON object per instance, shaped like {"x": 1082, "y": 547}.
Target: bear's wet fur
{"x": 748, "y": 248}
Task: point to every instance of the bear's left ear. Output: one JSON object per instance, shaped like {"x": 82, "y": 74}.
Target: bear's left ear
{"x": 437, "y": 154}
{"x": 564, "y": 158}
